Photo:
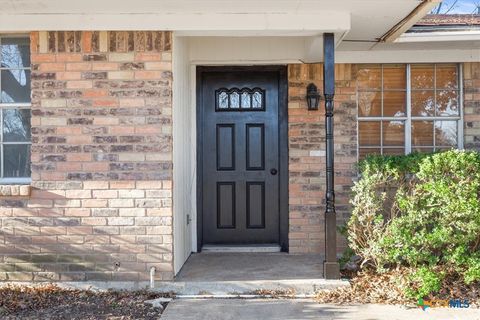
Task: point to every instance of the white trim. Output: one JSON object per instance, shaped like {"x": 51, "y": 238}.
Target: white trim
{"x": 401, "y": 55}
{"x": 16, "y": 181}
{"x": 235, "y": 24}
{"x": 473, "y": 35}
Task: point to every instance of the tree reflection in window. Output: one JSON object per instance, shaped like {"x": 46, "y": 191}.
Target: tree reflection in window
{"x": 15, "y": 115}
{"x": 236, "y": 99}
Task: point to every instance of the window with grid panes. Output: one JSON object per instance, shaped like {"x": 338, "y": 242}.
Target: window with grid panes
{"x": 15, "y": 136}
{"x": 405, "y": 108}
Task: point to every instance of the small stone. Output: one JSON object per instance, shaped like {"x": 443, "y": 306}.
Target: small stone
{"x": 350, "y": 266}
{"x": 356, "y": 259}
{"x": 157, "y": 303}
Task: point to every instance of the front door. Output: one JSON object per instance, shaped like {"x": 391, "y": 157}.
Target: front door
{"x": 240, "y": 155}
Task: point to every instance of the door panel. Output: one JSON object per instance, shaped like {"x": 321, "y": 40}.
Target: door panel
{"x": 240, "y": 157}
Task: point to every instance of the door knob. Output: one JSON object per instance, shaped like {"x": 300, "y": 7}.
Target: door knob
{"x": 273, "y": 171}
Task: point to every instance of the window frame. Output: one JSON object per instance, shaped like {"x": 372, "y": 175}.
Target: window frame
{"x": 20, "y": 105}
{"x": 408, "y": 109}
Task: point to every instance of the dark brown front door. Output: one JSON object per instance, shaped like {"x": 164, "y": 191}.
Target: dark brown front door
{"x": 240, "y": 156}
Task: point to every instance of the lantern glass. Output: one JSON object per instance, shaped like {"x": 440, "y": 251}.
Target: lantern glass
{"x": 313, "y": 97}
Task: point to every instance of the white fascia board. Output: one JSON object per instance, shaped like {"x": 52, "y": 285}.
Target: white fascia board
{"x": 185, "y": 24}
{"x": 408, "y": 56}
{"x": 440, "y": 36}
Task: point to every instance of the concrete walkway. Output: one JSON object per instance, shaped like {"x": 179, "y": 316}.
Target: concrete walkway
{"x": 255, "y": 309}
{"x": 244, "y": 273}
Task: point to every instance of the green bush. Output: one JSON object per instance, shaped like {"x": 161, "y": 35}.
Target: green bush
{"x": 420, "y": 211}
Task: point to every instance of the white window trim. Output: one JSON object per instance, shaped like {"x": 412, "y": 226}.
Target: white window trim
{"x": 23, "y": 105}
{"x": 408, "y": 118}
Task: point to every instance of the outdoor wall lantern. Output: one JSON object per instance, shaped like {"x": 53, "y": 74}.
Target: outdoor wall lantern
{"x": 313, "y": 97}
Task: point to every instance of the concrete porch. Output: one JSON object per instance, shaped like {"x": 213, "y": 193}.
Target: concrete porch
{"x": 245, "y": 273}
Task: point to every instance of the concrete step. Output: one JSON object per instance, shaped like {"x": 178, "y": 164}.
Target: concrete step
{"x": 219, "y": 288}
{"x": 267, "y": 248}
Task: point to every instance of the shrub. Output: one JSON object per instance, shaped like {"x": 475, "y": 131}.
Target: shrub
{"x": 420, "y": 211}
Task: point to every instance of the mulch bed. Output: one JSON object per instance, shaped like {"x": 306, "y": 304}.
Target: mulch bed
{"x": 51, "y": 302}
{"x": 388, "y": 288}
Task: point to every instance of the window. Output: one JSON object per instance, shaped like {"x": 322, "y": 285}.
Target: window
{"x": 240, "y": 99}
{"x": 405, "y": 108}
{"x": 15, "y": 135}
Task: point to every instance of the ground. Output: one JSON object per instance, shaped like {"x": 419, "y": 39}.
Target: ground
{"x": 303, "y": 309}
{"x": 50, "y": 302}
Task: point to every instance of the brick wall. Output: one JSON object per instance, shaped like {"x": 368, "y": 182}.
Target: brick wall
{"x": 307, "y": 155}
{"x": 101, "y": 203}
{"x": 471, "y": 75}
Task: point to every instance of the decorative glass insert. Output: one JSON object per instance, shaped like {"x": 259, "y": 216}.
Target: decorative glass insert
{"x": 15, "y": 114}
{"x": 236, "y": 99}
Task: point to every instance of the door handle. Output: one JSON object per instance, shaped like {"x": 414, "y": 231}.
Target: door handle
{"x": 273, "y": 171}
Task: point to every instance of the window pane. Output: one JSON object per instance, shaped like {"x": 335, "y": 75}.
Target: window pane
{"x": 257, "y": 102}
{"x": 422, "y": 133}
{"x": 16, "y": 161}
{"x": 422, "y": 150}
{"x": 447, "y": 103}
{"x": 363, "y": 152}
{"x": 369, "y": 133}
{"x": 16, "y": 125}
{"x": 446, "y": 133}
{"x": 423, "y": 103}
{"x": 394, "y": 104}
{"x": 15, "y": 86}
{"x": 394, "y": 151}
{"x": 370, "y": 77}
{"x": 369, "y": 104}
{"x": 15, "y": 53}
{"x": 393, "y": 133}
{"x": 223, "y": 100}
{"x": 446, "y": 77}
{"x": 422, "y": 76}
{"x": 394, "y": 77}
{"x": 234, "y": 100}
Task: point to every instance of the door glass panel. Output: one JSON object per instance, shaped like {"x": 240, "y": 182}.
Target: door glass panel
{"x": 246, "y": 100}
{"x": 222, "y": 100}
{"x": 257, "y": 100}
{"x": 234, "y": 100}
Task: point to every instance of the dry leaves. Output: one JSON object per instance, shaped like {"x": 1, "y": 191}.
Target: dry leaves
{"x": 49, "y": 301}
{"x": 389, "y": 288}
